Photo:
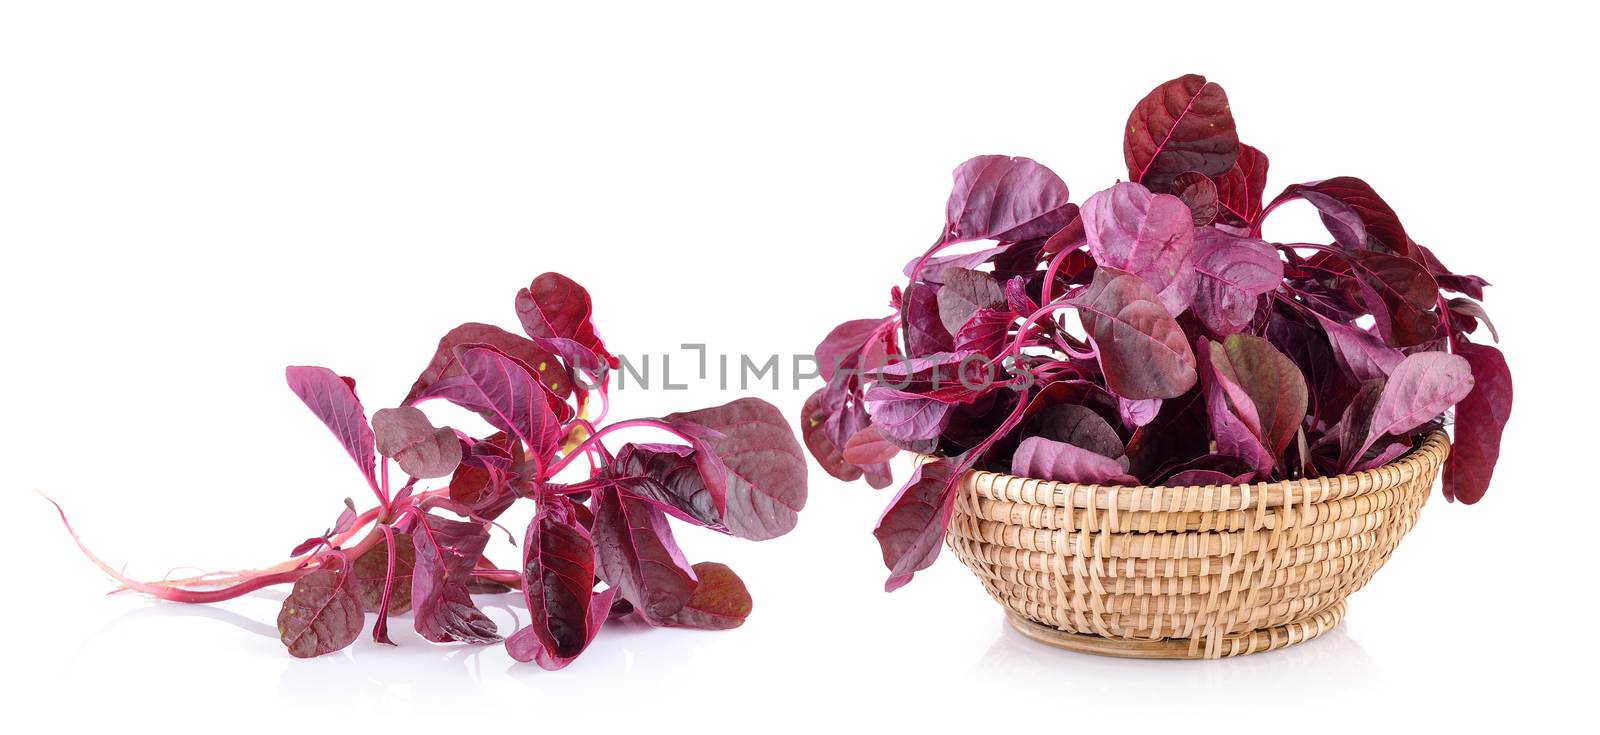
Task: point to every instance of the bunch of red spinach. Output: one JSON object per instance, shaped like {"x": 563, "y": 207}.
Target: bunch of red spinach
{"x": 739, "y": 470}
{"x": 1200, "y": 353}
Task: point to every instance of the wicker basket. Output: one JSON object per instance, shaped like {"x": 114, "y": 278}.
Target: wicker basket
{"x": 1185, "y": 572}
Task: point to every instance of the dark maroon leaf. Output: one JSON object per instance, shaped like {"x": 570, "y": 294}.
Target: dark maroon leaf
{"x": 1356, "y": 216}
{"x": 320, "y": 615}
{"x": 1005, "y": 198}
{"x": 987, "y": 332}
{"x": 486, "y": 480}
{"x": 1355, "y": 424}
{"x": 719, "y": 602}
{"x": 1475, "y": 313}
{"x": 751, "y": 461}
{"x": 1075, "y": 424}
{"x": 445, "y": 554}
{"x": 925, "y": 331}
{"x": 1045, "y": 459}
{"x": 666, "y": 475}
{"x": 638, "y": 555}
{"x": 371, "y": 570}
{"x": 1182, "y": 125}
{"x": 405, "y": 435}
{"x": 333, "y": 399}
{"x": 1142, "y": 350}
{"x": 1401, "y": 296}
{"x": 558, "y": 561}
{"x": 1240, "y": 189}
{"x": 1469, "y": 285}
{"x": 1480, "y": 421}
{"x": 556, "y": 306}
{"x": 1199, "y": 193}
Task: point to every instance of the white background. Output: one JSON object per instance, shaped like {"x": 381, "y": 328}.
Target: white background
{"x": 193, "y": 195}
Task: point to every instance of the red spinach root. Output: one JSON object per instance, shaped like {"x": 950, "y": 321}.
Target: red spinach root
{"x": 1201, "y": 354}
{"x": 739, "y": 471}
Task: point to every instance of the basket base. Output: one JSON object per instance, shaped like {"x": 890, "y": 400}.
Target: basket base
{"x": 1255, "y": 641}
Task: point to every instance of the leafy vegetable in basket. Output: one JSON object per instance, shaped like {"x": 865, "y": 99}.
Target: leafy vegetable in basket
{"x": 739, "y": 470}
{"x": 1151, "y": 336}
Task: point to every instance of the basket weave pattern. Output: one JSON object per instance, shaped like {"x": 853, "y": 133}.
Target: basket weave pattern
{"x": 1186, "y": 572}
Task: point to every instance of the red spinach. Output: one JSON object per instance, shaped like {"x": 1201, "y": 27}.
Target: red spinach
{"x": 739, "y": 471}
{"x": 1200, "y": 354}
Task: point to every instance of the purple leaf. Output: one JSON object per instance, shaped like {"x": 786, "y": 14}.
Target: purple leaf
{"x": 868, "y": 447}
{"x": 719, "y": 602}
{"x": 906, "y": 416}
{"x": 443, "y": 366}
{"x": 558, "y": 562}
{"x": 1005, "y": 198}
{"x": 1045, "y": 459}
{"x": 1256, "y": 397}
{"x": 445, "y": 553}
{"x": 1141, "y": 349}
{"x": 1138, "y": 413}
{"x": 963, "y": 294}
{"x": 751, "y": 462}
{"x": 1422, "y": 387}
{"x": 851, "y": 345}
{"x": 987, "y": 332}
{"x": 1234, "y": 272}
{"x": 1148, "y": 235}
{"x": 320, "y": 615}
{"x": 912, "y": 527}
{"x": 1480, "y": 421}
{"x": 1362, "y": 355}
{"x": 515, "y": 401}
{"x": 822, "y": 407}
{"x": 333, "y": 399}
{"x": 1182, "y": 125}
{"x": 406, "y": 435}
{"x": 638, "y": 555}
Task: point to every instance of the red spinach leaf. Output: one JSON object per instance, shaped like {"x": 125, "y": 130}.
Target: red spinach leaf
{"x": 333, "y": 399}
{"x": 1182, "y": 125}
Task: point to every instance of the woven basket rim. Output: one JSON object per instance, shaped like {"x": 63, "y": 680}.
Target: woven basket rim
{"x": 1426, "y": 457}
